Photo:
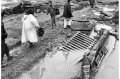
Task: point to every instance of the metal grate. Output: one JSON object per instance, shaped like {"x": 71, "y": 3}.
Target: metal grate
{"x": 79, "y": 41}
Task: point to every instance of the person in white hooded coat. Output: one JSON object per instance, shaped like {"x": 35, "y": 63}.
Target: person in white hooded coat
{"x": 29, "y": 29}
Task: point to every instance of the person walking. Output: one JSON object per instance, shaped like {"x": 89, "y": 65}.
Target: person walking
{"x": 67, "y": 14}
{"x": 51, "y": 10}
{"x": 30, "y": 27}
{"x": 5, "y": 50}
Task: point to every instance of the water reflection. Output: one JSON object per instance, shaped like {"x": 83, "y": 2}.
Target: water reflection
{"x": 58, "y": 66}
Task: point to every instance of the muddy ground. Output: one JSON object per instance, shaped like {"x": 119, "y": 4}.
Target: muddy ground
{"x": 25, "y": 57}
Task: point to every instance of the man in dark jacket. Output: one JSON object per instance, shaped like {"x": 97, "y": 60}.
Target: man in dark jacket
{"x": 67, "y": 14}
{"x": 4, "y": 46}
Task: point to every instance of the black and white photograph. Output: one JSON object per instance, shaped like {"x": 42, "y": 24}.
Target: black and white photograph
{"x": 59, "y": 39}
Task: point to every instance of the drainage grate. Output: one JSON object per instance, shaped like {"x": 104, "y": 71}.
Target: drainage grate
{"x": 79, "y": 41}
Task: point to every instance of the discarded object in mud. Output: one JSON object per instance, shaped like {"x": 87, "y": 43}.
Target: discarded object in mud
{"x": 23, "y": 6}
{"x": 109, "y": 16}
{"x": 78, "y": 29}
{"x": 16, "y": 9}
{"x": 115, "y": 2}
{"x": 80, "y": 21}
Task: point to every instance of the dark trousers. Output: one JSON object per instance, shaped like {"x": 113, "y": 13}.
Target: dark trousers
{"x": 53, "y": 20}
{"x": 5, "y": 50}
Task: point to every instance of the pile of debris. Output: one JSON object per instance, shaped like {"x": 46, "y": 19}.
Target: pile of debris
{"x": 20, "y": 7}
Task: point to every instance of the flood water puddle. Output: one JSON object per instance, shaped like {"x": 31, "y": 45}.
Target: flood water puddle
{"x": 57, "y": 66}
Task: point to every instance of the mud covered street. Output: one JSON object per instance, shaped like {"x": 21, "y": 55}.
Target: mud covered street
{"x": 26, "y": 58}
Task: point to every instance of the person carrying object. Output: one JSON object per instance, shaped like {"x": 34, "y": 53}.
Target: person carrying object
{"x": 51, "y": 10}
{"x": 30, "y": 27}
